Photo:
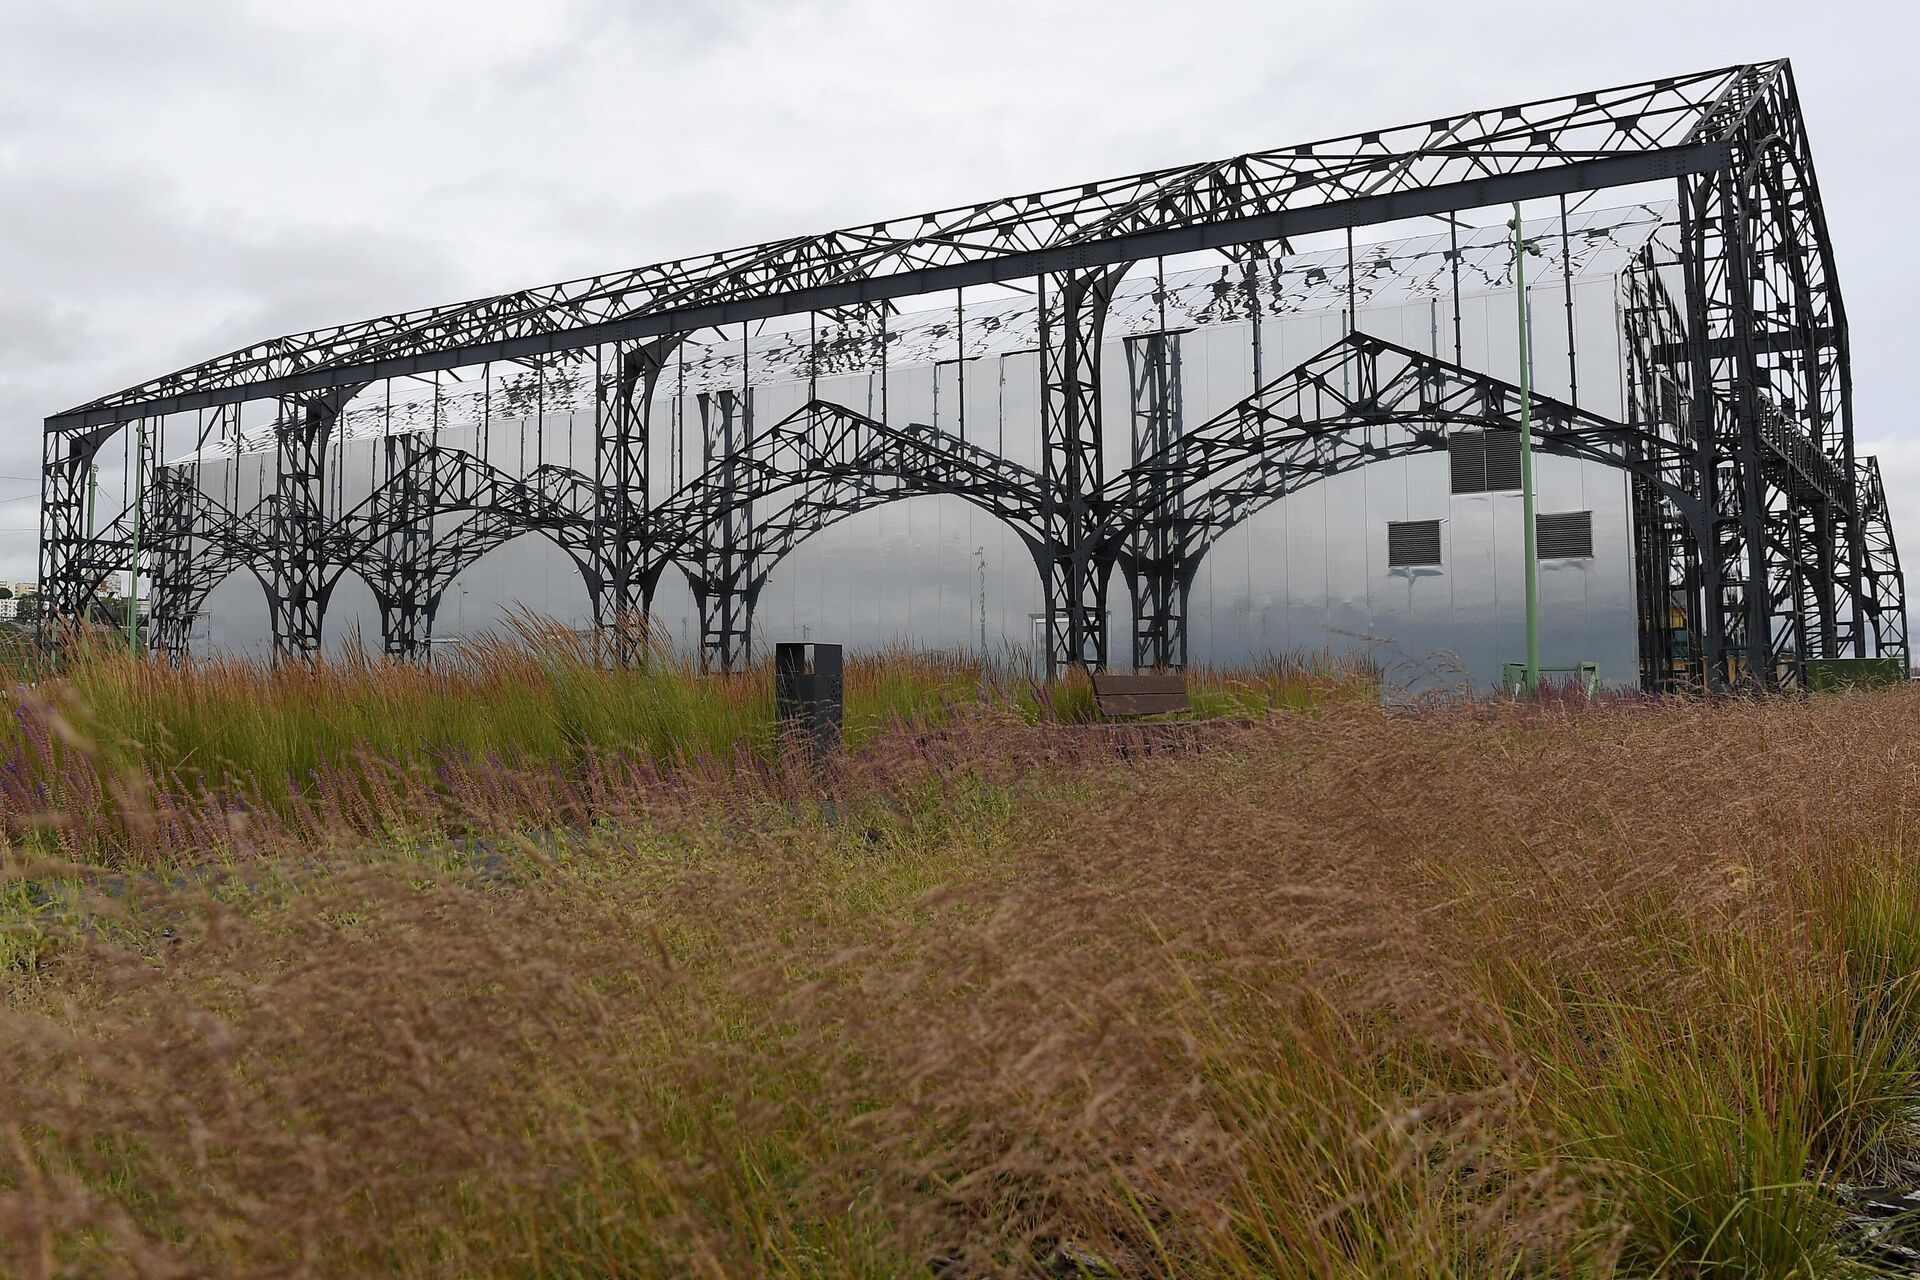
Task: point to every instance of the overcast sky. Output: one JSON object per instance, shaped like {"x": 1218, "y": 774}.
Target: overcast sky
{"x": 180, "y": 178}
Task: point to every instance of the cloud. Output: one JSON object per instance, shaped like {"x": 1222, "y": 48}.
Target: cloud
{"x": 35, "y": 330}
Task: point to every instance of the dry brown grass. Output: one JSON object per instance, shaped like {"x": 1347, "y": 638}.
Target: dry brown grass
{"x": 1462, "y": 993}
{"x": 129, "y": 762}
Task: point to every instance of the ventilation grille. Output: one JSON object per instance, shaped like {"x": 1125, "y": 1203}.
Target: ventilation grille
{"x": 1484, "y": 461}
{"x": 1412, "y": 543}
{"x": 1564, "y": 535}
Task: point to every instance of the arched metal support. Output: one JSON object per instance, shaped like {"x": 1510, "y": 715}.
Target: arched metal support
{"x": 67, "y": 587}
{"x": 726, "y": 553}
{"x": 173, "y": 533}
{"x": 1884, "y": 588}
{"x": 837, "y": 461}
{"x": 623, "y": 420}
{"x": 1073, "y": 314}
{"x": 401, "y": 579}
{"x": 1360, "y": 400}
{"x": 298, "y": 595}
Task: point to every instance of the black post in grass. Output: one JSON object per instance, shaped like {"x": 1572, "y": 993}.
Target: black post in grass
{"x": 807, "y": 695}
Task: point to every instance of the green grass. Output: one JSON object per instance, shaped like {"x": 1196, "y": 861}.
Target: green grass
{"x": 113, "y": 726}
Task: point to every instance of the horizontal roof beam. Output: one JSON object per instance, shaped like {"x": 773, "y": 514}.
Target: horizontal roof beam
{"x": 1594, "y": 174}
{"x": 1765, "y": 342}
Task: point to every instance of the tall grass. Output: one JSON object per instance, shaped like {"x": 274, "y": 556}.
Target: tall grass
{"x": 1478, "y": 991}
{"x": 364, "y": 739}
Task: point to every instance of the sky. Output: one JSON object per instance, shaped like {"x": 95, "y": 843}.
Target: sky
{"x": 179, "y": 179}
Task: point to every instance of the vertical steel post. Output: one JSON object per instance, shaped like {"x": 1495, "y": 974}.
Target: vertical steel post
{"x": 298, "y": 523}
{"x": 723, "y": 587}
{"x": 1076, "y": 586}
{"x": 1736, "y": 239}
{"x": 173, "y": 586}
{"x": 404, "y": 584}
{"x": 1453, "y": 263}
{"x": 1158, "y": 544}
{"x": 65, "y": 547}
{"x": 133, "y": 553}
{"x": 623, "y": 433}
{"x": 1566, "y": 280}
{"x": 1521, "y": 248}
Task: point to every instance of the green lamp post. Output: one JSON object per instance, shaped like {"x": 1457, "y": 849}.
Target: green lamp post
{"x": 1521, "y": 248}
{"x": 133, "y": 561}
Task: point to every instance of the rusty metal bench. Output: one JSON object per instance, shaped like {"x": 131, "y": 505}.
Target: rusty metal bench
{"x": 1127, "y": 697}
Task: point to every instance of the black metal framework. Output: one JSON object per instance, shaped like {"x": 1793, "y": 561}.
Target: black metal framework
{"x": 1760, "y": 538}
{"x": 1153, "y": 553}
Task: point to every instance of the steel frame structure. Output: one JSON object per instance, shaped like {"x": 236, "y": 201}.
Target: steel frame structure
{"x": 1761, "y": 539}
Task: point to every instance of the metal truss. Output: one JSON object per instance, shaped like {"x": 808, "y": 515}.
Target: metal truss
{"x": 298, "y": 588}
{"x": 1580, "y": 142}
{"x": 623, "y": 412}
{"x": 1361, "y": 400}
{"x": 1073, "y": 312}
{"x": 1766, "y": 350}
{"x": 1156, "y": 551}
{"x": 1669, "y": 579}
{"x": 1760, "y": 538}
{"x": 841, "y": 461}
{"x": 67, "y": 539}
{"x": 178, "y": 512}
{"x": 402, "y": 574}
{"x": 1883, "y": 588}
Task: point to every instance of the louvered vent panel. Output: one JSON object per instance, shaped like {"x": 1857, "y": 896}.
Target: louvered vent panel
{"x": 1484, "y": 461}
{"x": 1413, "y": 543}
{"x": 1467, "y": 452}
{"x": 1564, "y": 535}
{"x": 1503, "y": 460}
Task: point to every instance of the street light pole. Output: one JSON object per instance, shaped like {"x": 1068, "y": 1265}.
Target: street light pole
{"x": 133, "y": 560}
{"x": 1521, "y": 248}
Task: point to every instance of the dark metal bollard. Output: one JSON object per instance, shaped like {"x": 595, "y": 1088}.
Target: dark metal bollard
{"x": 807, "y": 697}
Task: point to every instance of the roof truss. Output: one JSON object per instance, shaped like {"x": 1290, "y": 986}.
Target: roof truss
{"x": 1605, "y": 138}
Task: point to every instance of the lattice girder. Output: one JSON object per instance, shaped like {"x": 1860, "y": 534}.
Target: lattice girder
{"x": 1362, "y": 399}
{"x": 1573, "y": 142}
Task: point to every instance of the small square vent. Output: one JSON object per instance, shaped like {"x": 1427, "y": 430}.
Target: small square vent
{"x": 1564, "y": 535}
{"x": 1413, "y": 543}
{"x": 1484, "y": 461}
{"x": 1503, "y": 460}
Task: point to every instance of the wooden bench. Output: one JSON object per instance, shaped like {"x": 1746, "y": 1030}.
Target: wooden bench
{"x": 1125, "y": 697}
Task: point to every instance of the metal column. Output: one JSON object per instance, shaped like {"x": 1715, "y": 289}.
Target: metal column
{"x": 298, "y": 593}
{"x": 1073, "y": 313}
{"x": 1156, "y": 549}
{"x": 66, "y": 585}
{"x": 403, "y": 585}
{"x": 722, "y": 587}
{"x": 623, "y": 420}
